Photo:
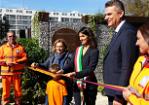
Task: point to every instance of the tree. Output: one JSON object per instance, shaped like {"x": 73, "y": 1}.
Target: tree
{"x": 33, "y": 83}
{"x": 93, "y": 20}
{"x": 137, "y": 7}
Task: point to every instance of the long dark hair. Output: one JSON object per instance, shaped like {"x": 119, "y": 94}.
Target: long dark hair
{"x": 144, "y": 29}
{"x": 88, "y": 32}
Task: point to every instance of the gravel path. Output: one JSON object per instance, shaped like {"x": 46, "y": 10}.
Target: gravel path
{"x": 100, "y": 99}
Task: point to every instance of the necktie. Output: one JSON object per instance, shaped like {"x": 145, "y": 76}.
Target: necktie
{"x": 113, "y": 37}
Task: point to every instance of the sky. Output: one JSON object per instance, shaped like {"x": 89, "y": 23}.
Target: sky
{"x": 82, "y": 6}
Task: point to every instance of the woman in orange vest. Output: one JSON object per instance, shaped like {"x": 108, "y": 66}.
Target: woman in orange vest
{"x": 12, "y": 59}
{"x": 137, "y": 93}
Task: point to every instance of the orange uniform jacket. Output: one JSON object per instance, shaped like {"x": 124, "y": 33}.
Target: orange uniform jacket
{"x": 56, "y": 90}
{"x": 15, "y": 55}
{"x": 139, "y": 83}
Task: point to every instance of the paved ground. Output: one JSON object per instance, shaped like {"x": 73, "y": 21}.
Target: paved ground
{"x": 100, "y": 100}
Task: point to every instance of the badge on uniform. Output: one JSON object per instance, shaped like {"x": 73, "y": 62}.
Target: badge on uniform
{"x": 17, "y": 51}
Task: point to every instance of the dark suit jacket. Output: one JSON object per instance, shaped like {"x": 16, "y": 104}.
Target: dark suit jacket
{"x": 120, "y": 58}
{"x": 90, "y": 60}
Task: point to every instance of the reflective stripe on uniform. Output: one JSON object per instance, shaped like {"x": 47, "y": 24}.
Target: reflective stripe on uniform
{"x": 134, "y": 91}
{"x": 12, "y": 71}
{"x": 144, "y": 81}
{"x": 11, "y": 57}
{"x": 145, "y": 96}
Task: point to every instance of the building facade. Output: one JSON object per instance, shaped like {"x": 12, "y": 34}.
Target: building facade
{"x": 20, "y": 19}
{"x": 73, "y": 16}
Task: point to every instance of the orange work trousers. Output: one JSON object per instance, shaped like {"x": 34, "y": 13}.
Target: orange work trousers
{"x": 7, "y": 81}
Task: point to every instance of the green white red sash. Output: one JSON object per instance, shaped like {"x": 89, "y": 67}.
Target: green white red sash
{"x": 79, "y": 67}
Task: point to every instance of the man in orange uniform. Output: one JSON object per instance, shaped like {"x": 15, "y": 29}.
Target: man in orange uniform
{"x": 12, "y": 59}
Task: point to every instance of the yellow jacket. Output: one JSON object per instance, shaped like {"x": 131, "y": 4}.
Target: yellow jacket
{"x": 15, "y": 55}
{"x": 139, "y": 83}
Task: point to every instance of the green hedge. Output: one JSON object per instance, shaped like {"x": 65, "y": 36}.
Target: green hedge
{"x": 33, "y": 83}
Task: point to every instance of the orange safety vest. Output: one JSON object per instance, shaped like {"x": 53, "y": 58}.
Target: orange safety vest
{"x": 56, "y": 90}
{"x": 15, "y": 55}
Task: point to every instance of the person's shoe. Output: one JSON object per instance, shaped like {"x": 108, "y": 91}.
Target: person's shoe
{"x": 17, "y": 103}
{"x": 5, "y": 103}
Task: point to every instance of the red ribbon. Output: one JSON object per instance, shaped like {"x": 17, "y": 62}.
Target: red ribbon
{"x": 108, "y": 86}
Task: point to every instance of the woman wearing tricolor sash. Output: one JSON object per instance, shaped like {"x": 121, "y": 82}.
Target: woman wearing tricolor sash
{"x": 86, "y": 59}
{"x": 137, "y": 92}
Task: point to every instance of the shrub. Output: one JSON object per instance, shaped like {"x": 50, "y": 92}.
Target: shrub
{"x": 33, "y": 83}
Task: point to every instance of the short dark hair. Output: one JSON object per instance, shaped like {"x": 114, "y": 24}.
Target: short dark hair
{"x": 119, "y": 4}
{"x": 144, "y": 29}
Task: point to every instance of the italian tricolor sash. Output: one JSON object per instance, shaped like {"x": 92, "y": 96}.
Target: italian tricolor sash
{"x": 78, "y": 66}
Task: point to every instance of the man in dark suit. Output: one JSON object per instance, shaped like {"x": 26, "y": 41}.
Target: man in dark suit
{"x": 121, "y": 53}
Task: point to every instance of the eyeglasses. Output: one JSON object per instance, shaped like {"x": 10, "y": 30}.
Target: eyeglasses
{"x": 11, "y": 36}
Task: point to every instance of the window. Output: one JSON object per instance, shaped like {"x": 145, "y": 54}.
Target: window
{"x": 8, "y": 10}
{"x": 19, "y": 11}
{"x": 19, "y": 17}
{"x": 12, "y": 17}
{"x": 64, "y": 14}
{"x": 76, "y": 20}
{"x": 26, "y": 17}
{"x": 12, "y": 22}
{"x": 22, "y": 27}
{"x": 12, "y": 26}
{"x": 23, "y": 17}
{"x": 55, "y": 13}
{"x": 19, "y": 22}
{"x": 53, "y": 19}
{"x": 7, "y": 16}
{"x": 79, "y": 14}
{"x": 70, "y": 14}
{"x": 22, "y": 33}
{"x": 25, "y": 22}
{"x": 65, "y": 19}
{"x": 29, "y": 12}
